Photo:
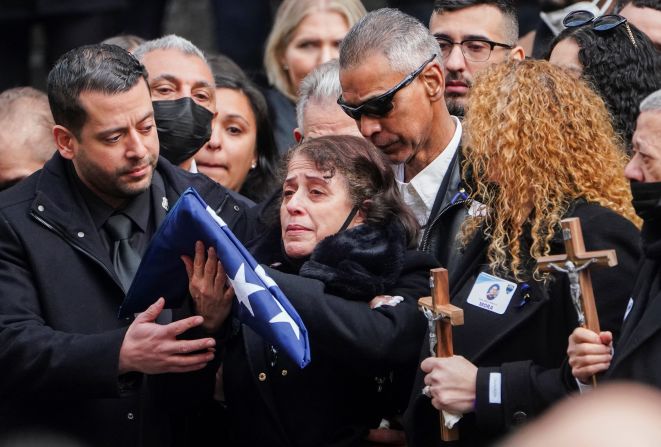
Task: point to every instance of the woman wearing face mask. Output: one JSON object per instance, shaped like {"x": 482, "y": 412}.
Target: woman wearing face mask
{"x": 346, "y": 238}
{"x": 241, "y": 154}
{"x": 618, "y": 61}
{"x": 306, "y": 33}
{"x": 534, "y": 160}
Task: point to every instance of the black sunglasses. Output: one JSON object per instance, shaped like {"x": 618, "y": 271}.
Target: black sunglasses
{"x": 599, "y": 24}
{"x": 379, "y": 106}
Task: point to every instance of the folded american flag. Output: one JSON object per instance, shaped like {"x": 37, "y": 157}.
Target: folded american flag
{"x": 261, "y": 303}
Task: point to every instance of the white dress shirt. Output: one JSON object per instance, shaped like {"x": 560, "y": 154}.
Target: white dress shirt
{"x": 420, "y": 193}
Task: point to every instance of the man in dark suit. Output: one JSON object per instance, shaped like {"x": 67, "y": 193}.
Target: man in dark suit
{"x": 638, "y": 350}
{"x": 69, "y": 364}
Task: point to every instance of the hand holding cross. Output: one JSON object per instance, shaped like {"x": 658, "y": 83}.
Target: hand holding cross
{"x": 441, "y": 316}
{"x": 575, "y": 263}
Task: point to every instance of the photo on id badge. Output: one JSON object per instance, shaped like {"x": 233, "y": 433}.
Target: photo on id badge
{"x": 491, "y": 293}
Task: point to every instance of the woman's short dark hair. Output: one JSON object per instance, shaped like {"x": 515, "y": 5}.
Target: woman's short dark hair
{"x": 623, "y": 74}
{"x": 260, "y": 182}
{"x": 369, "y": 175}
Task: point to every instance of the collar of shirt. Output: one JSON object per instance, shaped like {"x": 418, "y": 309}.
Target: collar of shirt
{"x": 193, "y": 167}
{"x": 427, "y": 182}
{"x": 137, "y": 209}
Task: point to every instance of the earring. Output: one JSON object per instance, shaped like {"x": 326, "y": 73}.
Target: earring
{"x": 253, "y": 165}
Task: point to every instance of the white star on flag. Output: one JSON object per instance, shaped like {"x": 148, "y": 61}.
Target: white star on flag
{"x": 284, "y": 317}
{"x": 264, "y": 277}
{"x": 244, "y": 289}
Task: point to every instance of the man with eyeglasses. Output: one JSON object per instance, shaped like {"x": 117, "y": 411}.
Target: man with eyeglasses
{"x": 472, "y": 34}
{"x": 392, "y": 85}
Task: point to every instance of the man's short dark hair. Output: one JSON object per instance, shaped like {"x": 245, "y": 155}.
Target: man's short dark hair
{"x": 506, "y": 7}
{"x": 108, "y": 69}
{"x": 653, "y": 4}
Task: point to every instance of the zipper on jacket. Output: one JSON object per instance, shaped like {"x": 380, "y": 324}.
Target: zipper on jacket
{"x": 71, "y": 242}
{"x": 425, "y": 238}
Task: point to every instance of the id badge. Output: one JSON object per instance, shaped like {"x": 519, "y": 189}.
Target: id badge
{"x": 491, "y": 293}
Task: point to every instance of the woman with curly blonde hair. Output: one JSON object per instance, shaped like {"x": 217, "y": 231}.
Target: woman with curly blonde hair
{"x": 538, "y": 147}
{"x": 545, "y": 148}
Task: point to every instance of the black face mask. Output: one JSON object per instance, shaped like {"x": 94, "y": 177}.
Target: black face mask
{"x": 183, "y": 128}
{"x": 646, "y": 200}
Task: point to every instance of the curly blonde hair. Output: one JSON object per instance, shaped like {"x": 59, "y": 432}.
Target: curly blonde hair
{"x": 535, "y": 141}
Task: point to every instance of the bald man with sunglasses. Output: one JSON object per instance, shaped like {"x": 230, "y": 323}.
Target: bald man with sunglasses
{"x": 393, "y": 87}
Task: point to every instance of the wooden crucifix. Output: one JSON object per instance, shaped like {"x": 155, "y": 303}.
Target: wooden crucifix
{"x": 441, "y": 316}
{"x": 575, "y": 263}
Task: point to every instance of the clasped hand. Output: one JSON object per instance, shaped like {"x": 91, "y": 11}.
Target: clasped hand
{"x": 452, "y": 382}
{"x": 589, "y": 353}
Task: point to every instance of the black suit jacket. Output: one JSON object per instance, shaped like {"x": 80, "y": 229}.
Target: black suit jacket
{"x": 638, "y": 350}
{"x": 334, "y": 400}
{"x": 439, "y": 236}
{"x": 527, "y": 344}
{"x": 59, "y": 333}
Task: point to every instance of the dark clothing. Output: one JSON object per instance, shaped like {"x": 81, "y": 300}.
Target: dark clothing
{"x": 283, "y": 117}
{"x": 638, "y": 350}
{"x": 139, "y": 210}
{"x": 241, "y": 29}
{"x": 543, "y": 38}
{"x": 527, "y": 344}
{"x": 59, "y": 333}
{"x": 336, "y": 398}
{"x": 448, "y": 214}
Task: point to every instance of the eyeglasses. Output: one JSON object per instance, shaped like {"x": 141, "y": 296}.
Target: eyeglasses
{"x": 474, "y": 50}
{"x": 599, "y": 24}
{"x": 381, "y": 105}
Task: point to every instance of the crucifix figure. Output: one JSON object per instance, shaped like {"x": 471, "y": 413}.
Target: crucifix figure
{"x": 575, "y": 263}
{"x": 441, "y": 316}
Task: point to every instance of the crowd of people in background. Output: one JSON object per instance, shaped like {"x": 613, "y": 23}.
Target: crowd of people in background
{"x": 355, "y": 153}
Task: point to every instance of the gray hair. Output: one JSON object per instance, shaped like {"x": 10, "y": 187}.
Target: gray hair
{"x": 26, "y": 123}
{"x": 169, "y": 42}
{"x": 321, "y": 85}
{"x": 652, "y": 103}
{"x": 402, "y": 39}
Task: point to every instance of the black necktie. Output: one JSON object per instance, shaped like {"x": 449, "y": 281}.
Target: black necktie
{"x": 125, "y": 258}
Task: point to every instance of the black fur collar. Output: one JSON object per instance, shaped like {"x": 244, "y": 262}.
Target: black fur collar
{"x": 359, "y": 263}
